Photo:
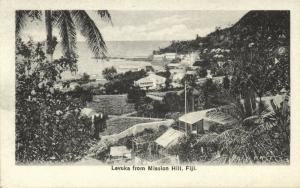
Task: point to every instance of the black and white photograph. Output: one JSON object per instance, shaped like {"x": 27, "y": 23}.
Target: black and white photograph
{"x": 135, "y": 93}
{"x": 108, "y": 87}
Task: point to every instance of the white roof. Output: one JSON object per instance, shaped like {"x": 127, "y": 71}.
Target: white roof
{"x": 169, "y": 53}
{"x": 178, "y": 76}
{"x": 191, "y": 72}
{"x": 154, "y": 97}
{"x": 119, "y": 151}
{"x": 212, "y": 115}
{"x": 169, "y": 138}
{"x": 174, "y": 64}
{"x": 88, "y": 112}
{"x": 193, "y": 117}
{"x": 152, "y": 78}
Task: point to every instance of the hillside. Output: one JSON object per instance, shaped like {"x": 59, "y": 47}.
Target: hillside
{"x": 253, "y": 26}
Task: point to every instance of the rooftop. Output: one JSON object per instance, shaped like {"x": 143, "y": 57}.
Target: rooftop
{"x": 169, "y": 138}
{"x": 193, "y": 117}
{"x": 151, "y": 77}
{"x": 212, "y": 115}
{"x": 119, "y": 151}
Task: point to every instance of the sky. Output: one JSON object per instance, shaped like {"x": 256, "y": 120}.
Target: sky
{"x": 151, "y": 25}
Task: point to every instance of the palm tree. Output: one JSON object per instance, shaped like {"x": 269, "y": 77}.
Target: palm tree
{"x": 67, "y": 21}
{"x": 263, "y": 137}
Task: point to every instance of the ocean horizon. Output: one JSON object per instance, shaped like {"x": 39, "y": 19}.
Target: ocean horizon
{"x": 116, "y": 49}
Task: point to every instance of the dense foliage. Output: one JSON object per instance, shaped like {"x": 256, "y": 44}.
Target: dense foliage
{"x": 123, "y": 82}
{"x": 48, "y": 122}
{"x": 109, "y": 73}
{"x": 256, "y": 139}
{"x": 254, "y": 56}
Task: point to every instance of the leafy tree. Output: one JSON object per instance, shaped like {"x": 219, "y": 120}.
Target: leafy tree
{"x": 48, "y": 123}
{"x": 109, "y": 73}
{"x": 257, "y": 139}
{"x": 84, "y": 94}
{"x": 211, "y": 95}
{"x": 167, "y": 75}
{"x": 173, "y": 102}
{"x": 85, "y": 77}
{"x": 189, "y": 79}
{"x": 123, "y": 82}
{"x": 201, "y": 72}
{"x": 226, "y": 82}
{"x": 188, "y": 151}
{"x": 135, "y": 94}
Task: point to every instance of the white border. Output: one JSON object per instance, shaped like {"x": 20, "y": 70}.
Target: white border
{"x": 95, "y": 176}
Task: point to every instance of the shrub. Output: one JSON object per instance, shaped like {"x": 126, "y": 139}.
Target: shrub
{"x": 48, "y": 123}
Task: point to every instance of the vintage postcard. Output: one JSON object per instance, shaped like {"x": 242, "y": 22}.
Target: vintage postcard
{"x": 149, "y": 94}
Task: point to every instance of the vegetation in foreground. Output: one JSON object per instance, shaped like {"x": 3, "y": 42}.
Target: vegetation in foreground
{"x": 48, "y": 122}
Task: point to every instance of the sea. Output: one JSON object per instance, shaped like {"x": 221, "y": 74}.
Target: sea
{"x": 121, "y": 55}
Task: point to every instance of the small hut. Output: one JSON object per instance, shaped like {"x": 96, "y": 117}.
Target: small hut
{"x": 168, "y": 139}
{"x": 200, "y": 121}
{"x": 120, "y": 153}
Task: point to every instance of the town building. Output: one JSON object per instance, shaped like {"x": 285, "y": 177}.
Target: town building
{"x": 190, "y": 59}
{"x": 159, "y": 57}
{"x": 71, "y": 87}
{"x": 151, "y": 82}
{"x": 200, "y": 122}
{"x": 176, "y": 80}
{"x": 165, "y": 56}
{"x": 175, "y": 66}
{"x": 119, "y": 154}
{"x": 170, "y": 56}
{"x": 216, "y": 79}
{"x": 168, "y": 139}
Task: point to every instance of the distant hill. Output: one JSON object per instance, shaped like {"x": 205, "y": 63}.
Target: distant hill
{"x": 275, "y": 25}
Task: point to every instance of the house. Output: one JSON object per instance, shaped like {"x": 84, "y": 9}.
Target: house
{"x": 176, "y": 80}
{"x": 191, "y": 72}
{"x": 190, "y": 59}
{"x": 217, "y": 79}
{"x": 159, "y": 57}
{"x": 200, "y": 122}
{"x": 175, "y": 66}
{"x": 170, "y": 56}
{"x": 89, "y": 112}
{"x": 177, "y": 71}
{"x": 120, "y": 153}
{"x": 165, "y": 56}
{"x": 168, "y": 139}
{"x": 158, "y": 96}
{"x": 158, "y": 68}
{"x": 71, "y": 87}
{"x": 151, "y": 82}
{"x": 132, "y": 68}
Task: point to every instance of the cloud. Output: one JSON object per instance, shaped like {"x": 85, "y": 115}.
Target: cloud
{"x": 171, "y": 26}
{"x": 166, "y": 28}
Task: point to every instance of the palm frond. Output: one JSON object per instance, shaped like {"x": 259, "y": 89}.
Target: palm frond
{"x": 208, "y": 139}
{"x": 23, "y": 15}
{"x": 105, "y": 15}
{"x": 91, "y": 32}
{"x": 64, "y": 21}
